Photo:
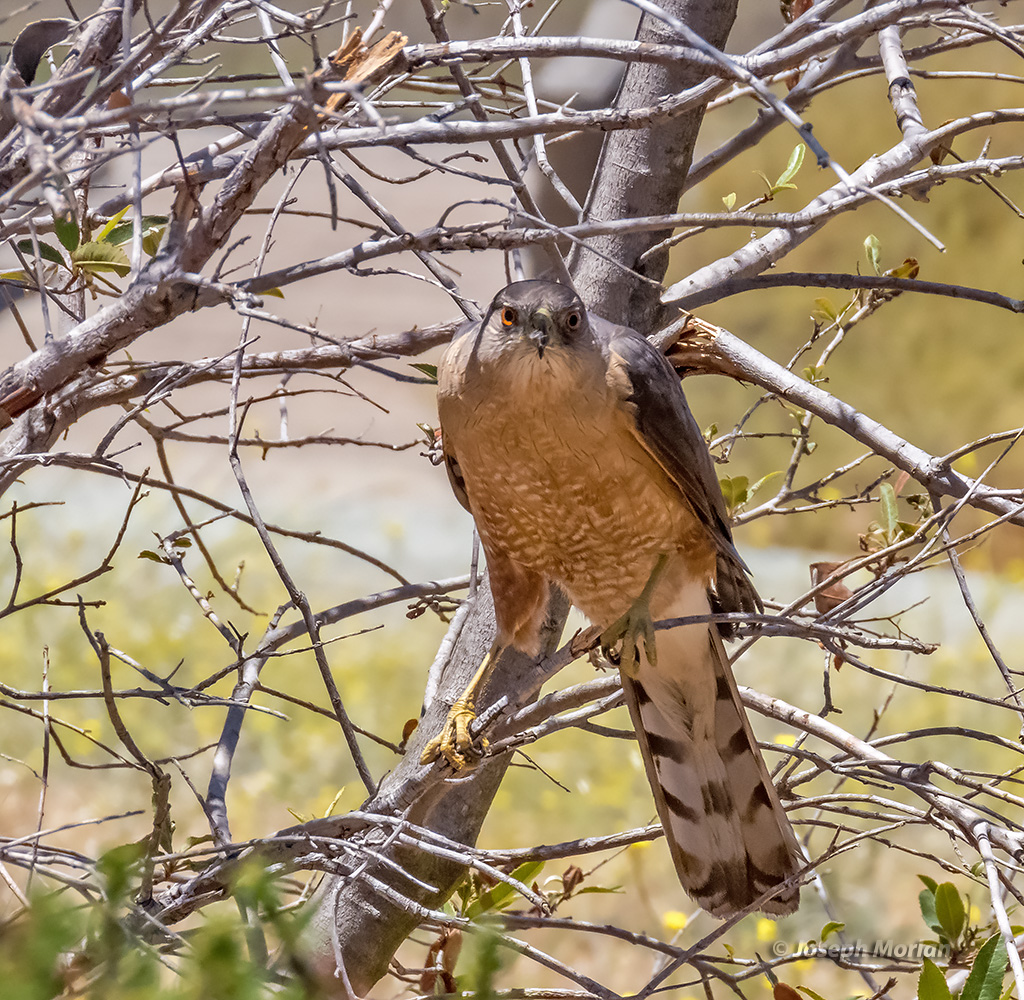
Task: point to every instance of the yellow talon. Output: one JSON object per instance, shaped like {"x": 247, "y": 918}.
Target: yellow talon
{"x": 455, "y": 742}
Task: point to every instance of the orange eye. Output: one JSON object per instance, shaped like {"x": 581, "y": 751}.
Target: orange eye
{"x": 573, "y": 320}
{"x": 508, "y": 316}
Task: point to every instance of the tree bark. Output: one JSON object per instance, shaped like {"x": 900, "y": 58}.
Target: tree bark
{"x": 643, "y": 172}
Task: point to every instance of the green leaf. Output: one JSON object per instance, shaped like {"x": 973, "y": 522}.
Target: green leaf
{"x": 255, "y": 888}
{"x": 930, "y": 882}
{"x": 949, "y": 906}
{"x": 46, "y": 251}
{"x": 598, "y": 888}
{"x": 153, "y": 228}
{"x": 796, "y": 159}
{"x": 932, "y": 984}
{"x": 827, "y": 309}
{"x": 873, "y": 252}
{"x": 888, "y": 521}
{"x": 926, "y": 900}
{"x": 111, "y": 223}
{"x": 122, "y": 232}
{"x": 95, "y": 256}
{"x": 273, "y": 292}
{"x": 764, "y": 479}
{"x": 153, "y": 556}
{"x": 833, "y": 925}
{"x": 735, "y": 491}
{"x": 151, "y": 244}
{"x": 17, "y": 276}
{"x": 116, "y": 867}
{"x": 429, "y": 370}
{"x": 985, "y": 981}
{"x": 810, "y": 993}
{"x": 67, "y": 231}
{"x": 502, "y": 895}
{"x": 767, "y": 183}
{"x": 729, "y": 200}
{"x": 480, "y": 965}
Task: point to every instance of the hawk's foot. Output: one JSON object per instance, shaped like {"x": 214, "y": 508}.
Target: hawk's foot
{"x": 455, "y": 742}
{"x": 636, "y": 624}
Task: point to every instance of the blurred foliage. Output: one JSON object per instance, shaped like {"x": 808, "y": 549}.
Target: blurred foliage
{"x": 58, "y": 947}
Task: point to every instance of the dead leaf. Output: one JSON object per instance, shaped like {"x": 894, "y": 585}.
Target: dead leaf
{"x": 832, "y": 596}
{"x": 407, "y": 730}
{"x": 442, "y": 957}
{"x": 584, "y": 640}
{"x": 783, "y": 991}
{"x": 792, "y": 9}
{"x": 571, "y": 878}
{"x": 363, "y": 66}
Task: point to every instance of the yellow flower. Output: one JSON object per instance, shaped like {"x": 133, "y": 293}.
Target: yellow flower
{"x": 967, "y": 463}
{"x": 786, "y": 740}
{"x": 767, "y": 930}
{"x": 674, "y": 920}
{"x": 974, "y": 916}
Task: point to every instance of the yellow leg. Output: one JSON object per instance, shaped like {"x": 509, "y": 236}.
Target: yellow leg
{"x": 636, "y": 624}
{"x": 455, "y": 741}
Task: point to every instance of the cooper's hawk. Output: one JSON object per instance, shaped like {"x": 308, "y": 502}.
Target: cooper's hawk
{"x": 569, "y": 440}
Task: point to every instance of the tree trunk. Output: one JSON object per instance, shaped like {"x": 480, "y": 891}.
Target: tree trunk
{"x": 643, "y": 172}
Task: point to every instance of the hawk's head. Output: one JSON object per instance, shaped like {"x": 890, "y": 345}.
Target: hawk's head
{"x": 540, "y": 315}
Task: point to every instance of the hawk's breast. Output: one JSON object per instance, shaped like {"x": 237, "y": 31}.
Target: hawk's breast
{"x": 559, "y": 482}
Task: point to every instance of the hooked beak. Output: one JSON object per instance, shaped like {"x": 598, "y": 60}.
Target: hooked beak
{"x": 542, "y": 324}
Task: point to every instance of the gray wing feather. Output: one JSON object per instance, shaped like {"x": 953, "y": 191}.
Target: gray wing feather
{"x": 667, "y": 429}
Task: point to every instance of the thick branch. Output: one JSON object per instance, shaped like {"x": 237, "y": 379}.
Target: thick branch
{"x": 715, "y": 349}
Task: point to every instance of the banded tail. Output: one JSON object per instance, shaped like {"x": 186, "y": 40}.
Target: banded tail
{"x": 727, "y": 832}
